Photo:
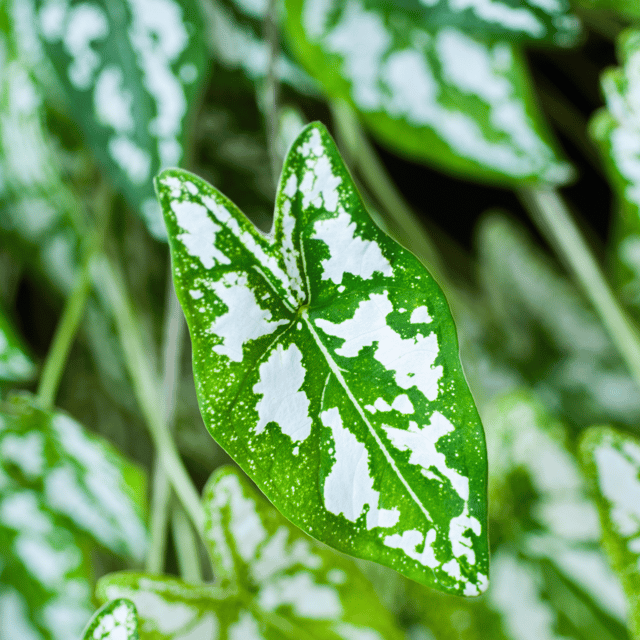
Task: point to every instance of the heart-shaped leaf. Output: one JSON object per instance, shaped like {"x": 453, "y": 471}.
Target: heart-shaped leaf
{"x": 15, "y": 365}
{"x": 612, "y": 460}
{"x": 132, "y": 71}
{"x": 617, "y": 130}
{"x": 515, "y": 22}
{"x": 326, "y": 364}
{"x": 432, "y": 93}
{"x": 275, "y": 582}
{"x": 59, "y": 488}
{"x": 116, "y": 620}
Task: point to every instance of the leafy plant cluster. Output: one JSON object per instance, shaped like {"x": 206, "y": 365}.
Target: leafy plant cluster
{"x": 423, "y": 479}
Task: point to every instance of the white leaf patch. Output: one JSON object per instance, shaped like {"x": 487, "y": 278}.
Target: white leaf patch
{"x": 349, "y": 486}
{"x": 409, "y": 542}
{"x": 412, "y": 358}
{"x": 283, "y": 401}
{"x": 319, "y": 185}
{"x": 245, "y": 319}
{"x": 348, "y": 253}
{"x": 402, "y": 404}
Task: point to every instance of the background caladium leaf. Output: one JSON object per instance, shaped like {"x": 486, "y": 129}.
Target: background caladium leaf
{"x": 617, "y": 130}
{"x": 132, "y": 72}
{"x": 274, "y": 581}
{"x": 60, "y": 489}
{"x": 513, "y": 21}
{"x": 15, "y": 364}
{"x": 411, "y": 85}
{"x": 612, "y": 460}
{"x": 116, "y": 620}
{"x": 553, "y": 563}
{"x": 326, "y": 364}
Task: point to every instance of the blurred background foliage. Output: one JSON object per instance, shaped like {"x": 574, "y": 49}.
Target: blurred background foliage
{"x": 459, "y": 121}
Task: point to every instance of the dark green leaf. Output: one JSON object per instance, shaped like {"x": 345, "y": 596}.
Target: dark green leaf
{"x": 434, "y": 94}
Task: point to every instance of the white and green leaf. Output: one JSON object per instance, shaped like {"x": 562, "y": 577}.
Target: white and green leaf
{"x": 132, "y": 71}
{"x": 274, "y": 581}
{"x": 436, "y": 94}
{"x": 529, "y": 20}
{"x": 59, "y": 489}
{"x": 612, "y": 461}
{"x": 116, "y": 620}
{"x": 617, "y": 130}
{"x": 542, "y": 507}
{"x": 326, "y": 364}
{"x": 15, "y": 364}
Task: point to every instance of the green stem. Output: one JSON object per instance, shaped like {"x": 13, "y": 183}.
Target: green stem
{"x": 161, "y": 488}
{"x": 554, "y": 220}
{"x": 67, "y": 328}
{"x": 63, "y": 339}
{"x": 186, "y": 547}
{"x": 272, "y": 88}
{"x": 146, "y": 389}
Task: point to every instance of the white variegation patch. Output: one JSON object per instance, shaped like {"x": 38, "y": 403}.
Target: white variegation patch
{"x": 348, "y": 488}
{"x": 410, "y": 541}
{"x": 244, "y": 320}
{"x": 411, "y": 359}
{"x": 283, "y": 400}
{"x": 348, "y": 253}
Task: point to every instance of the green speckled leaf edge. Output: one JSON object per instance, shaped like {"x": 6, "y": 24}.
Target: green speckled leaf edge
{"x": 116, "y": 620}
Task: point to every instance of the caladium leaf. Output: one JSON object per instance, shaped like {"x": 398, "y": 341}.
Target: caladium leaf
{"x": 132, "y": 70}
{"x": 539, "y": 493}
{"x": 59, "y": 488}
{"x": 326, "y": 364}
{"x": 116, "y": 620}
{"x": 513, "y": 21}
{"x": 15, "y": 364}
{"x": 435, "y": 94}
{"x": 617, "y": 130}
{"x": 612, "y": 460}
{"x": 274, "y": 582}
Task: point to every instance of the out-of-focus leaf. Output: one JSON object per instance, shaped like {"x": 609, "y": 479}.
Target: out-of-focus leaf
{"x": 116, "y": 620}
{"x": 545, "y": 330}
{"x": 275, "y": 581}
{"x": 511, "y": 20}
{"x": 625, "y": 7}
{"x": 15, "y": 364}
{"x": 547, "y": 532}
{"x": 612, "y": 461}
{"x": 132, "y": 71}
{"x": 434, "y": 94}
{"x": 617, "y": 129}
{"x": 379, "y": 450}
{"x": 59, "y": 488}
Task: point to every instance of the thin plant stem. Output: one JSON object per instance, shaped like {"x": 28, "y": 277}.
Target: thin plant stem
{"x": 173, "y": 340}
{"x": 401, "y": 219}
{"x": 555, "y": 222}
{"x": 73, "y": 312}
{"x": 186, "y": 546}
{"x": 272, "y": 88}
{"x": 147, "y": 389}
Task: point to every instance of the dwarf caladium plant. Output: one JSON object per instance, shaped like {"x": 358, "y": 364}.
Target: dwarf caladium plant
{"x": 274, "y": 582}
{"x": 326, "y": 364}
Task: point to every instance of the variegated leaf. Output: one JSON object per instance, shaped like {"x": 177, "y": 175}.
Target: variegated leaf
{"x": 612, "y": 460}
{"x": 274, "y": 582}
{"x": 435, "y": 94}
{"x": 132, "y": 70}
{"x": 617, "y": 129}
{"x": 59, "y": 488}
{"x": 116, "y": 620}
{"x": 15, "y": 364}
{"x": 551, "y": 569}
{"x": 326, "y": 364}
{"x": 514, "y": 21}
